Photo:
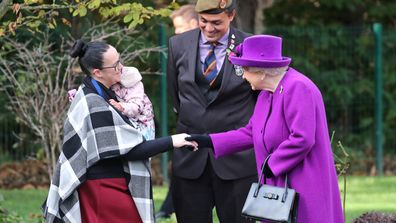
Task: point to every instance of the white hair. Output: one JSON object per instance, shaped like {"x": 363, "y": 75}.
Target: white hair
{"x": 269, "y": 71}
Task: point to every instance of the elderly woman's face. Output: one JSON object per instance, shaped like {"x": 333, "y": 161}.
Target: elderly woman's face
{"x": 255, "y": 79}
{"x": 112, "y": 67}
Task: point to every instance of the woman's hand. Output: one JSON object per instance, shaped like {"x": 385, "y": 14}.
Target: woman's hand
{"x": 179, "y": 141}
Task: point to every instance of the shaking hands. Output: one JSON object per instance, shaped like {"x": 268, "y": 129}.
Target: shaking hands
{"x": 202, "y": 140}
{"x": 179, "y": 141}
{"x": 191, "y": 142}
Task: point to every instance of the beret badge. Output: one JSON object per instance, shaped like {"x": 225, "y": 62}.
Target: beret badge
{"x": 223, "y": 4}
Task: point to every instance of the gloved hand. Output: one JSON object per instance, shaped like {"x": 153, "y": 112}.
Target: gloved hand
{"x": 203, "y": 140}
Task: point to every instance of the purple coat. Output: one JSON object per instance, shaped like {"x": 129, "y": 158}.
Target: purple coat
{"x": 291, "y": 125}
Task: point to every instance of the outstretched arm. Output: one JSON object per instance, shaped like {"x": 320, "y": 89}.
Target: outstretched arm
{"x": 153, "y": 147}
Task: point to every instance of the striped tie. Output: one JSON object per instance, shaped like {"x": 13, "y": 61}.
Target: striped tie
{"x": 210, "y": 70}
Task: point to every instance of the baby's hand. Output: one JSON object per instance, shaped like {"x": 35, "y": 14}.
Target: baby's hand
{"x": 116, "y": 105}
{"x": 71, "y": 93}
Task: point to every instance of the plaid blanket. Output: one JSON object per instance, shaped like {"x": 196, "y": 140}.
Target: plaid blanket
{"x": 94, "y": 130}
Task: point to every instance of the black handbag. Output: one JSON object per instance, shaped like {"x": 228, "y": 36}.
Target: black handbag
{"x": 270, "y": 203}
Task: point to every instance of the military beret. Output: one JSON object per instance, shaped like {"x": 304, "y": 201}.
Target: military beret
{"x": 214, "y": 6}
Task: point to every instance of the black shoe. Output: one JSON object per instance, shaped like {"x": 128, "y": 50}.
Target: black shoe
{"x": 162, "y": 214}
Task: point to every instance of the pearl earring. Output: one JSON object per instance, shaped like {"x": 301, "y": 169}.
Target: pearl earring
{"x": 262, "y": 78}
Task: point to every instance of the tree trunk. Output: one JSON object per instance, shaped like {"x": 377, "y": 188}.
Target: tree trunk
{"x": 250, "y": 17}
{"x": 245, "y": 18}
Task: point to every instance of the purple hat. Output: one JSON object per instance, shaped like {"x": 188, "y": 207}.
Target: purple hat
{"x": 260, "y": 51}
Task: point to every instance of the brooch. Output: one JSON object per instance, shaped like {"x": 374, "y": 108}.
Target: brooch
{"x": 238, "y": 70}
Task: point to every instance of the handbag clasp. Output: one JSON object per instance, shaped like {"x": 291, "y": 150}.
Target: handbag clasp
{"x": 271, "y": 196}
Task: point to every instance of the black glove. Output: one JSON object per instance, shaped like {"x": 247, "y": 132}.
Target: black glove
{"x": 203, "y": 140}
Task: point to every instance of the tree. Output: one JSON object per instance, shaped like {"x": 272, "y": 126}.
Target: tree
{"x": 37, "y": 82}
{"x": 250, "y": 17}
{"x": 32, "y": 14}
{"x": 331, "y": 12}
{"x": 35, "y": 66}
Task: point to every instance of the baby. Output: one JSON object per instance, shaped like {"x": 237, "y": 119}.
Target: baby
{"x": 134, "y": 103}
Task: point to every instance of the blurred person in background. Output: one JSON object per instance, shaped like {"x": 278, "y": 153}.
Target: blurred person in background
{"x": 184, "y": 19}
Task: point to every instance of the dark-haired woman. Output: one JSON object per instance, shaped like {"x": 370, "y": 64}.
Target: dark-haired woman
{"x": 103, "y": 172}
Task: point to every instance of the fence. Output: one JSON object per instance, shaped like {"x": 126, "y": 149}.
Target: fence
{"x": 341, "y": 62}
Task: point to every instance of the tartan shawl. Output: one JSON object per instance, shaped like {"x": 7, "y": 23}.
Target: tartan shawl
{"x": 94, "y": 130}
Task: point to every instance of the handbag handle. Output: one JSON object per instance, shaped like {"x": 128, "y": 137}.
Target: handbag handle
{"x": 265, "y": 180}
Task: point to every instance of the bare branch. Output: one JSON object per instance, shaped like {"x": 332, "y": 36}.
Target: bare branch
{"x": 38, "y": 75}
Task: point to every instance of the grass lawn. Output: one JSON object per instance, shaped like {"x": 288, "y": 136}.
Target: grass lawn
{"x": 369, "y": 194}
{"x": 363, "y": 194}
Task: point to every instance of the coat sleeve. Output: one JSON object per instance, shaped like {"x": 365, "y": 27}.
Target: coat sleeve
{"x": 232, "y": 141}
{"x": 149, "y": 148}
{"x": 172, "y": 75}
{"x": 300, "y": 115}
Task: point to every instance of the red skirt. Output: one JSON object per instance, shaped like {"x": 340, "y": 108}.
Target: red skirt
{"x": 107, "y": 200}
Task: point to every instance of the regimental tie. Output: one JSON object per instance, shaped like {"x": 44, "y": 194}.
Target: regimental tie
{"x": 210, "y": 69}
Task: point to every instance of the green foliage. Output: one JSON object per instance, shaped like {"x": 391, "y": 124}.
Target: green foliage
{"x": 339, "y": 57}
{"x": 6, "y": 216}
{"x": 329, "y": 12}
{"x": 22, "y": 206}
{"x": 340, "y": 60}
{"x": 94, "y": 20}
{"x": 36, "y": 15}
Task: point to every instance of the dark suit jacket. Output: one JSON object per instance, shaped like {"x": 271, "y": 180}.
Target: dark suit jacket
{"x": 230, "y": 109}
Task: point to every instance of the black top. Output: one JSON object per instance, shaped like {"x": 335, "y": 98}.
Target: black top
{"x": 112, "y": 168}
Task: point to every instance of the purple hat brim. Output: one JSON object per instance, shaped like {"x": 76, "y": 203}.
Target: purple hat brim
{"x": 246, "y": 62}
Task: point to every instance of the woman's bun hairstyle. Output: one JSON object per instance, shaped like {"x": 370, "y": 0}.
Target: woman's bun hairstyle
{"x": 78, "y": 49}
{"x": 90, "y": 55}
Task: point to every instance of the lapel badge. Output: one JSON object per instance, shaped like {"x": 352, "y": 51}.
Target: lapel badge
{"x": 238, "y": 70}
{"x": 281, "y": 89}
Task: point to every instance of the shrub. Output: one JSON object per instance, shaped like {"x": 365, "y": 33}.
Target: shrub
{"x": 375, "y": 217}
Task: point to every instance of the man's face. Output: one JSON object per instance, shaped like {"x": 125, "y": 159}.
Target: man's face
{"x": 181, "y": 25}
{"x": 214, "y": 26}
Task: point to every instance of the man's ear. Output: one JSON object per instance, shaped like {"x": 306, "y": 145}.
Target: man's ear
{"x": 96, "y": 73}
{"x": 232, "y": 15}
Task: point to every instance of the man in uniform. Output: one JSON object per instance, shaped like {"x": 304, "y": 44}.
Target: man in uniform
{"x": 209, "y": 95}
